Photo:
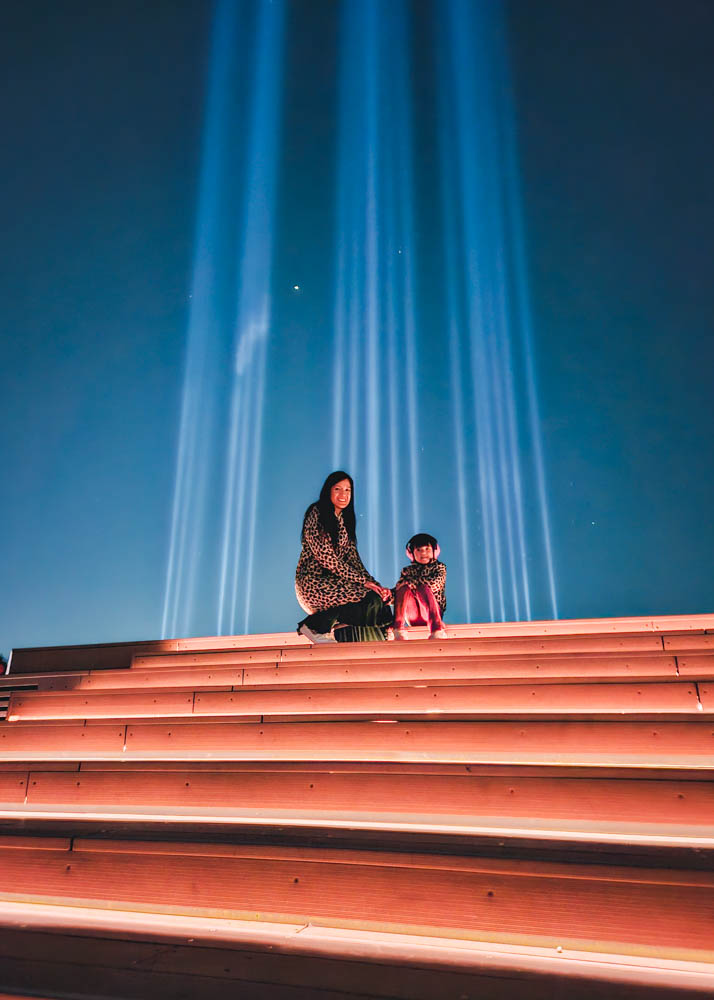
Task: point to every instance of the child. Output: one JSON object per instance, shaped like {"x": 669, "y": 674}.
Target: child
{"x": 421, "y": 589}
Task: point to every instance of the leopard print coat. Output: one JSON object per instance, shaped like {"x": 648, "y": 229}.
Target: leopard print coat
{"x": 325, "y": 577}
{"x": 433, "y": 574}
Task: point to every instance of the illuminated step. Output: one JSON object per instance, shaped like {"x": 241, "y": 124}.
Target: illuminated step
{"x": 655, "y": 700}
{"x": 535, "y": 902}
{"x": 357, "y": 671}
{"x": 350, "y": 671}
{"x": 656, "y": 844}
{"x": 503, "y": 783}
{"x": 699, "y": 667}
{"x": 454, "y": 791}
{"x": 660, "y": 744}
{"x": 686, "y": 633}
{"x": 454, "y": 648}
{"x": 445, "y": 670}
{"x": 665, "y": 821}
{"x": 84, "y": 949}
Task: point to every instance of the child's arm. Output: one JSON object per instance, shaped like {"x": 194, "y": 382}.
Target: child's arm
{"x": 436, "y": 578}
{"x": 406, "y": 579}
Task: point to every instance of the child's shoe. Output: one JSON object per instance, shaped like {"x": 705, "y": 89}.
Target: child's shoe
{"x": 400, "y": 633}
{"x": 440, "y": 633}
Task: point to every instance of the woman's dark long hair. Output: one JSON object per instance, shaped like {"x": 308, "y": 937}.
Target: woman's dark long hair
{"x": 326, "y": 509}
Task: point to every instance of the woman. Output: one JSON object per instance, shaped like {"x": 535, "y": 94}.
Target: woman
{"x": 331, "y": 582}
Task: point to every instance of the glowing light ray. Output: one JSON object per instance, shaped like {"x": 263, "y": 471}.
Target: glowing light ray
{"x": 526, "y": 327}
{"x": 390, "y": 319}
{"x": 356, "y": 403}
{"x": 344, "y": 392}
{"x": 501, "y": 379}
{"x": 371, "y": 68}
{"x": 256, "y": 453}
{"x": 179, "y": 518}
{"x": 375, "y": 348}
{"x": 513, "y": 452}
{"x": 469, "y": 172}
{"x": 187, "y": 505}
{"x": 458, "y": 415}
{"x": 401, "y": 130}
{"x": 510, "y": 456}
{"x": 204, "y": 430}
{"x": 501, "y": 473}
{"x": 491, "y": 487}
{"x": 338, "y": 372}
{"x": 347, "y": 346}
{"x": 473, "y": 85}
{"x": 228, "y": 507}
{"x": 243, "y": 414}
{"x": 449, "y": 187}
{"x": 253, "y": 311}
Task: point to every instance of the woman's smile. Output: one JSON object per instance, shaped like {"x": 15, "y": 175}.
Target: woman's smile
{"x": 340, "y": 495}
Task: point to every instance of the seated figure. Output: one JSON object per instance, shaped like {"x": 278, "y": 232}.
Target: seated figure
{"x": 421, "y": 589}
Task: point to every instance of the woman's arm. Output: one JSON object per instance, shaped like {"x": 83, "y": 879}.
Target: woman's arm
{"x": 353, "y": 556}
{"x": 321, "y": 548}
{"x": 384, "y": 592}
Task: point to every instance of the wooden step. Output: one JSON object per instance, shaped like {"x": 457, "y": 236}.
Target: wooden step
{"x": 120, "y": 655}
{"x": 212, "y": 658}
{"x": 134, "y": 953}
{"x": 457, "y": 794}
{"x": 13, "y": 786}
{"x": 548, "y": 816}
{"x": 660, "y": 745}
{"x": 454, "y": 648}
{"x": 474, "y": 670}
{"x": 537, "y": 903}
{"x": 692, "y": 666}
{"x": 616, "y": 744}
{"x": 650, "y": 700}
{"x": 688, "y": 643}
{"x": 68, "y": 741}
{"x": 530, "y": 786}
{"x": 666, "y": 846}
{"x": 366, "y": 673}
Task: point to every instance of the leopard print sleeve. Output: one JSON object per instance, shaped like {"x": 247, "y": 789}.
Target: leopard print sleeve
{"x": 320, "y": 545}
{"x": 410, "y": 574}
{"x": 354, "y": 558}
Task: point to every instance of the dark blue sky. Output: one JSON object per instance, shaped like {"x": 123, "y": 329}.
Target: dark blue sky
{"x": 103, "y": 113}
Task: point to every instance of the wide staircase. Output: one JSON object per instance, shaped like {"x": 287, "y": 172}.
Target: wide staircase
{"x": 524, "y": 810}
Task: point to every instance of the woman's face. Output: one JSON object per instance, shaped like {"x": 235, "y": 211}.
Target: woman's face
{"x": 340, "y": 495}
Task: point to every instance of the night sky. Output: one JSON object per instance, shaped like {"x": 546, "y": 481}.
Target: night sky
{"x": 103, "y": 112}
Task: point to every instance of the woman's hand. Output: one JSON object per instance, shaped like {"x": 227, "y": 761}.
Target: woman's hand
{"x": 384, "y": 592}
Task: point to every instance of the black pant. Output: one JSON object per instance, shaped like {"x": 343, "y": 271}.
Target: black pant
{"x": 371, "y": 610}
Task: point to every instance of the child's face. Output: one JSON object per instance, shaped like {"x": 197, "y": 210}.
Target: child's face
{"x": 424, "y": 554}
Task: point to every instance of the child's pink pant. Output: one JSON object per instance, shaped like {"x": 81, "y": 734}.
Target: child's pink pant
{"x": 417, "y": 606}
